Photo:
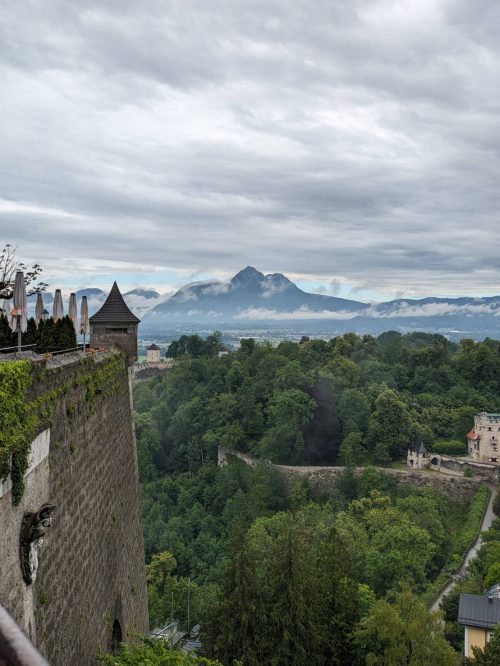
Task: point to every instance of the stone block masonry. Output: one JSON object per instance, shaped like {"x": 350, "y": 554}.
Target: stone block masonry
{"x": 90, "y": 588}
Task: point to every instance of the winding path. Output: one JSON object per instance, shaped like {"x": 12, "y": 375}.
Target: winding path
{"x": 488, "y": 519}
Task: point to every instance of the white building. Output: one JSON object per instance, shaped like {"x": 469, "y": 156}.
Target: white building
{"x": 153, "y": 353}
{"x": 484, "y": 438}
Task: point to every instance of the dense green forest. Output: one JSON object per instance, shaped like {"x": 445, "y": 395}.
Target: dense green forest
{"x": 275, "y": 574}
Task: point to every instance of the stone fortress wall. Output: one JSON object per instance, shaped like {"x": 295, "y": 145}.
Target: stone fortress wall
{"x": 90, "y": 589}
{"x": 322, "y": 479}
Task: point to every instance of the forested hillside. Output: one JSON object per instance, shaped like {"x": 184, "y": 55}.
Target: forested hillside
{"x": 276, "y": 575}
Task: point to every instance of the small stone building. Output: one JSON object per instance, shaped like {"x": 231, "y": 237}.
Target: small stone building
{"x": 417, "y": 456}
{"x": 114, "y": 324}
{"x": 484, "y": 438}
{"x": 153, "y": 353}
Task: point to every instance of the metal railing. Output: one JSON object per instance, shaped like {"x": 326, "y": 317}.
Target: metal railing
{"x": 42, "y": 350}
{"x": 15, "y": 648}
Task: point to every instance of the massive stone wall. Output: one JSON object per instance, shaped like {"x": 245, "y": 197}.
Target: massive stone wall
{"x": 90, "y": 581}
{"x": 322, "y": 479}
{"x": 449, "y": 464}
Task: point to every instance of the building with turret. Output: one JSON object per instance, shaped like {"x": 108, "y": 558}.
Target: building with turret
{"x": 115, "y": 325}
{"x": 417, "y": 456}
{"x": 483, "y": 439}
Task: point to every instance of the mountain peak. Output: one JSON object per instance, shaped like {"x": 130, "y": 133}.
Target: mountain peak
{"x": 278, "y": 279}
{"x": 143, "y": 292}
{"x": 247, "y": 276}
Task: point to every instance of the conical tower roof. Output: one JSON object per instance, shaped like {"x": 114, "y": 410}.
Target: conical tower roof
{"x": 114, "y": 310}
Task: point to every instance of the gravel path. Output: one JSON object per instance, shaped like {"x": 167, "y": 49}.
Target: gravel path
{"x": 488, "y": 519}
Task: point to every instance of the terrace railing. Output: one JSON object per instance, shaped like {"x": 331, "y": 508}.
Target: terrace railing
{"x": 15, "y": 648}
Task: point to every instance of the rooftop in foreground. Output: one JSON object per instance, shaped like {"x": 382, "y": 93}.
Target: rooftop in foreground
{"x": 479, "y": 611}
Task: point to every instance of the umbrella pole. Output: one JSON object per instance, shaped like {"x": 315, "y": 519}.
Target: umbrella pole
{"x": 18, "y": 333}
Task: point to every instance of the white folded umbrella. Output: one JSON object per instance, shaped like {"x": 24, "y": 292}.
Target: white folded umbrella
{"x": 39, "y": 308}
{"x": 72, "y": 310}
{"x": 58, "y": 308}
{"x": 19, "y": 313}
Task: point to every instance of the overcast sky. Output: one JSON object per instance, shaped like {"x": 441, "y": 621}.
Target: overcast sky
{"x": 351, "y": 144}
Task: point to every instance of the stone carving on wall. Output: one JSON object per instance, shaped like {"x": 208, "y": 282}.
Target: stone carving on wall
{"x": 33, "y": 528}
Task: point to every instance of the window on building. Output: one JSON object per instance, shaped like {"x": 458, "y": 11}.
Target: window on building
{"x": 116, "y": 330}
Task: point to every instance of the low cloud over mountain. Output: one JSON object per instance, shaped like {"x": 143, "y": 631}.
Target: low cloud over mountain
{"x": 250, "y": 296}
{"x": 270, "y": 300}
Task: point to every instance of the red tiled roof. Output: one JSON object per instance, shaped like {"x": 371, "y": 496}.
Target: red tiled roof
{"x": 472, "y": 435}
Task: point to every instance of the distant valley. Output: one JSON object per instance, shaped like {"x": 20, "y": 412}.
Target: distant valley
{"x": 272, "y": 302}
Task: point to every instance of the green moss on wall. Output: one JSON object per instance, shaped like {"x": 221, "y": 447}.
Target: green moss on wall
{"x": 18, "y": 423}
{"x": 21, "y": 420}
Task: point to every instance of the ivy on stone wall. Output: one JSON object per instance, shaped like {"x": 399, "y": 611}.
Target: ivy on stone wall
{"x": 18, "y": 423}
{"x": 21, "y": 420}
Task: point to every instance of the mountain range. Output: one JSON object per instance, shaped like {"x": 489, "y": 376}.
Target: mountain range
{"x": 272, "y": 300}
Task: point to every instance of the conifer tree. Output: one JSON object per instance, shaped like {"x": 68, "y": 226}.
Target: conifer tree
{"x": 336, "y": 604}
{"x": 29, "y": 338}
{"x": 46, "y": 336}
{"x": 7, "y": 338}
{"x": 290, "y": 637}
{"x": 237, "y": 620}
{"x": 64, "y": 334}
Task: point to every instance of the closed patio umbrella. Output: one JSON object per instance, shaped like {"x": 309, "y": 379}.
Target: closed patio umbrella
{"x": 39, "y": 308}
{"x": 5, "y": 310}
{"x": 84, "y": 319}
{"x": 19, "y": 313}
{"x": 58, "y": 308}
{"x": 72, "y": 310}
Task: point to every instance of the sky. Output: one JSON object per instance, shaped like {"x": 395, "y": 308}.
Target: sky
{"x": 352, "y": 145}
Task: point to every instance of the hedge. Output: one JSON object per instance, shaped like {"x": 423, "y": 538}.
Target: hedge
{"x": 450, "y": 447}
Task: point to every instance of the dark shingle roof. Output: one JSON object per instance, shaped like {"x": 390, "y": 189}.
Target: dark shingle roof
{"x": 417, "y": 445}
{"x": 153, "y": 347}
{"x": 477, "y": 611}
{"x": 114, "y": 310}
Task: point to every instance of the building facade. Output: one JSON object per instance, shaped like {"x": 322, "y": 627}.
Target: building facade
{"x": 484, "y": 438}
{"x": 153, "y": 354}
{"x": 479, "y": 615}
{"x": 417, "y": 456}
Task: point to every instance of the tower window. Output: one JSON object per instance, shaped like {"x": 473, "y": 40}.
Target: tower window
{"x": 116, "y": 330}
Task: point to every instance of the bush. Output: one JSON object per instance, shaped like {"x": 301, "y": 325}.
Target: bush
{"x": 472, "y": 522}
{"x": 450, "y": 447}
{"x": 493, "y": 575}
{"x": 496, "y": 505}
{"x": 153, "y": 652}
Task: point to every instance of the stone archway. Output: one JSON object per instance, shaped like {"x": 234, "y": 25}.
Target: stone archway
{"x": 411, "y": 462}
{"x": 435, "y": 461}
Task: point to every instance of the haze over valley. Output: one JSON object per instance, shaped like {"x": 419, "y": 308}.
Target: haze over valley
{"x": 272, "y": 306}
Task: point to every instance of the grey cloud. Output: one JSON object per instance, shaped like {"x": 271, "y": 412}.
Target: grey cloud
{"x": 355, "y": 139}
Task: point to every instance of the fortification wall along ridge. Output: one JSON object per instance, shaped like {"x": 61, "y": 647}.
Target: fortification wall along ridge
{"x": 90, "y": 580}
{"x": 322, "y": 479}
